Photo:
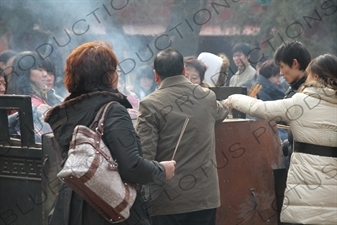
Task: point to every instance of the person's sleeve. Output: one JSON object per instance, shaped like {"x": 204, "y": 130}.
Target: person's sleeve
{"x": 222, "y": 111}
{"x": 147, "y": 129}
{"x": 123, "y": 142}
{"x": 279, "y": 110}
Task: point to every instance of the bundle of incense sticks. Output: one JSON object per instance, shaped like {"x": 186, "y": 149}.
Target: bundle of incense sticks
{"x": 283, "y": 126}
{"x": 180, "y": 136}
{"x": 254, "y": 90}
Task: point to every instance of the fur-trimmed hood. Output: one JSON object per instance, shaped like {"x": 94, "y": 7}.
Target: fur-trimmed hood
{"x": 71, "y": 100}
{"x": 79, "y": 110}
{"x": 318, "y": 90}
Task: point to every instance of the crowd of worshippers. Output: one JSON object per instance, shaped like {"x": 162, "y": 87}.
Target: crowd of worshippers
{"x": 156, "y": 86}
{"x": 206, "y": 69}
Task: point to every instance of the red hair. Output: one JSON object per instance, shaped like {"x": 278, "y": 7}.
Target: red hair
{"x": 91, "y": 66}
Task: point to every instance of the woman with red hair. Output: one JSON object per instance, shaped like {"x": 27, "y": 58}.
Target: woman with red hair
{"x": 91, "y": 79}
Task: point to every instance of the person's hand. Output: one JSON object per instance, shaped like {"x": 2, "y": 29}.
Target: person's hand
{"x": 227, "y": 104}
{"x": 169, "y": 168}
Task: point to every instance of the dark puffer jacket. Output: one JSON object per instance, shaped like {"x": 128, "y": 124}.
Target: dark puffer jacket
{"x": 123, "y": 142}
{"x": 269, "y": 90}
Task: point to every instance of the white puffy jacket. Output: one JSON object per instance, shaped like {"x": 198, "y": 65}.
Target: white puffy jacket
{"x": 311, "y": 192}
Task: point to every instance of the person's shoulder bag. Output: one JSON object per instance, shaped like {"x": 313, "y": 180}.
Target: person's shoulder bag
{"x": 92, "y": 173}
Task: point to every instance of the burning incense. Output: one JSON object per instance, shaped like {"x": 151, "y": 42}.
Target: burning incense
{"x": 181, "y": 134}
{"x": 254, "y": 90}
{"x": 283, "y": 126}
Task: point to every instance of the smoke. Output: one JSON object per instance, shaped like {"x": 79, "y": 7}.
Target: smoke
{"x": 54, "y": 28}
{"x": 138, "y": 29}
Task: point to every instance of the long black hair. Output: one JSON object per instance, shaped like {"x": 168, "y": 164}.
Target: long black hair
{"x": 20, "y": 82}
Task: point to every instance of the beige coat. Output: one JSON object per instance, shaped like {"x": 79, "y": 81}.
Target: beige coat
{"x": 242, "y": 75}
{"x": 311, "y": 192}
{"x": 161, "y": 117}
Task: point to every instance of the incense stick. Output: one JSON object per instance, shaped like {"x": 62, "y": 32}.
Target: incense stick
{"x": 254, "y": 90}
{"x": 283, "y": 126}
{"x": 180, "y": 136}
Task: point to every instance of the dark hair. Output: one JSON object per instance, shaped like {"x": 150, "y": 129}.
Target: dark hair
{"x": 168, "y": 63}
{"x": 6, "y": 55}
{"x": 50, "y": 66}
{"x": 242, "y": 47}
{"x": 144, "y": 71}
{"x": 325, "y": 66}
{"x": 269, "y": 69}
{"x": 289, "y": 51}
{"x": 193, "y": 62}
{"x": 23, "y": 63}
{"x": 91, "y": 66}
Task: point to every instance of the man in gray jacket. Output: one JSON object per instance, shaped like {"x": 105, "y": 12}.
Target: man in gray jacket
{"x": 192, "y": 196}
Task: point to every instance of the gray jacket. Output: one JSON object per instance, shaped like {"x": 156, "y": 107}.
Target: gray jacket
{"x": 160, "y": 119}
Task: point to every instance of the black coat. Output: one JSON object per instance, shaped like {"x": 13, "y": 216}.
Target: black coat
{"x": 123, "y": 142}
{"x": 293, "y": 88}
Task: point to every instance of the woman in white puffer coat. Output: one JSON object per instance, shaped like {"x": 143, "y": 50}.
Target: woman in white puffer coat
{"x": 311, "y": 191}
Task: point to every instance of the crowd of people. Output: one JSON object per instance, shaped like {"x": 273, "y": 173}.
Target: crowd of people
{"x": 141, "y": 131}
{"x": 206, "y": 69}
{"x": 25, "y": 73}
